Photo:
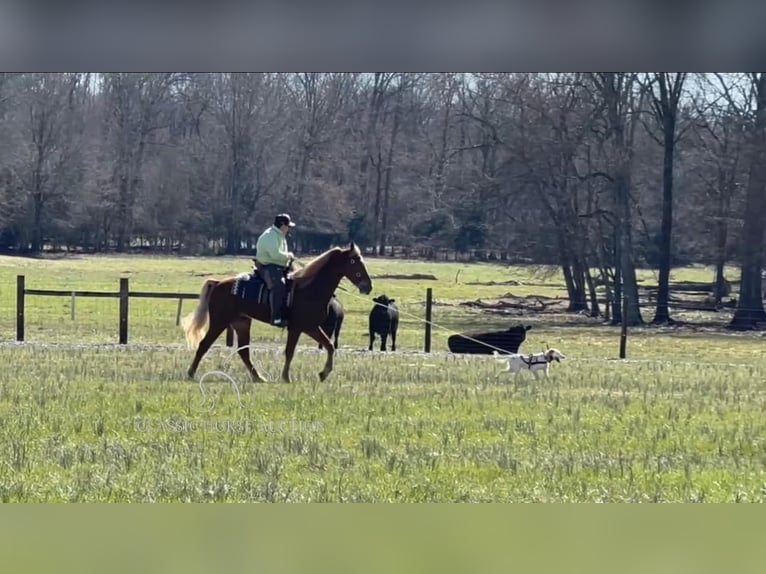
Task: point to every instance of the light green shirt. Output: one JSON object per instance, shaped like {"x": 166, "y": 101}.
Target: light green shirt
{"x": 271, "y": 248}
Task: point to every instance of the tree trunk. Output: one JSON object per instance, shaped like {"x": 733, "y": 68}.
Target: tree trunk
{"x": 38, "y": 204}
{"x": 618, "y": 92}
{"x": 378, "y": 197}
{"x": 37, "y": 230}
{"x": 122, "y": 213}
{"x": 573, "y": 279}
{"x": 720, "y": 248}
{"x": 579, "y": 302}
{"x": 232, "y": 225}
{"x": 389, "y": 169}
{"x": 665, "y": 105}
{"x": 750, "y": 311}
{"x": 373, "y": 112}
{"x": 566, "y": 270}
{"x": 617, "y": 282}
{"x": 628, "y": 296}
{"x": 595, "y": 311}
{"x": 662, "y": 314}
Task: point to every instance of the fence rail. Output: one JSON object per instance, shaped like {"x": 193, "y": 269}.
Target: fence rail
{"x": 124, "y": 294}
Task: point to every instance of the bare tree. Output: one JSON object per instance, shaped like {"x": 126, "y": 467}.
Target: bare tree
{"x": 403, "y": 83}
{"x": 720, "y": 137}
{"x": 45, "y": 165}
{"x": 317, "y": 100}
{"x": 247, "y": 118}
{"x": 546, "y": 168}
{"x": 750, "y": 312}
{"x": 560, "y": 121}
{"x": 444, "y": 88}
{"x": 9, "y": 198}
{"x": 137, "y": 108}
{"x": 379, "y": 93}
{"x": 665, "y": 94}
{"x": 621, "y": 98}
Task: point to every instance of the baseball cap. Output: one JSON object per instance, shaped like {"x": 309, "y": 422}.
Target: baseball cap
{"x": 283, "y": 219}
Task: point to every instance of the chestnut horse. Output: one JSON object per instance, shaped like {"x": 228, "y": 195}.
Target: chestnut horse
{"x": 313, "y": 286}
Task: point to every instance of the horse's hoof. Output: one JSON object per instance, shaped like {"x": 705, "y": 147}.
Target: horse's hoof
{"x": 323, "y": 376}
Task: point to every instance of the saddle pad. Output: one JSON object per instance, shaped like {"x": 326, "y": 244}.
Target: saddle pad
{"x": 250, "y": 287}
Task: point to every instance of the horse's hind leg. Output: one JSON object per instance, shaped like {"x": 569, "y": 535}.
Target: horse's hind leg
{"x": 217, "y": 326}
{"x": 242, "y": 327}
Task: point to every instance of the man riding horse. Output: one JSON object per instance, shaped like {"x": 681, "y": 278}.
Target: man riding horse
{"x": 315, "y": 283}
{"x": 272, "y": 260}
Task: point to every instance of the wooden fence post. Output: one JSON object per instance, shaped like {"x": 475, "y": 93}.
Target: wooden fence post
{"x": 20, "y": 290}
{"x": 178, "y": 312}
{"x": 124, "y": 298}
{"x": 71, "y": 305}
{"x": 624, "y": 330}
{"x": 429, "y": 303}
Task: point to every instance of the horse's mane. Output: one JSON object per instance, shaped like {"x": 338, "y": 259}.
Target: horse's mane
{"x": 313, "y": 267}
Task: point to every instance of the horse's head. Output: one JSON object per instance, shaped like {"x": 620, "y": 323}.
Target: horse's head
{"x": 354, "y": 269}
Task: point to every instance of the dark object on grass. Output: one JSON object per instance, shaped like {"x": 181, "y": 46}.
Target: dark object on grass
{"x": 384, "y": 321}
{"x": 509, "y": 341}
{"x": 332, "y": 324}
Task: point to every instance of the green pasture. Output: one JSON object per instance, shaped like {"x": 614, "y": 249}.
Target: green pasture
{"x": 83, "y": 419}
{"x": 152, "y": 321}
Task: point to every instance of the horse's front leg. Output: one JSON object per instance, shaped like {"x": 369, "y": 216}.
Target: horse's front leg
{"x": 292, "y": 341}
{"x": 242, "y": 328}
{"x": 318, "y": 335}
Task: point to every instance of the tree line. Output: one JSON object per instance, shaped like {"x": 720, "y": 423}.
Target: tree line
{"x": 591, "y": 171}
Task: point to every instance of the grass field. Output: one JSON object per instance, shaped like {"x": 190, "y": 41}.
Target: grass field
{"x": 83, "y": 419}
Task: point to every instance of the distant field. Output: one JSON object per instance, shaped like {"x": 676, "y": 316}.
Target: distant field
{"x": 682, "y": 420}
{"x": 48, "y": 319}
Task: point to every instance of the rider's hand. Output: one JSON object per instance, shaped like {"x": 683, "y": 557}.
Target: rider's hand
{"x": 290, "y": 255}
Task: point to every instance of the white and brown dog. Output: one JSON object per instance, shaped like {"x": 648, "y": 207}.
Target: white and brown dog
{"x": 535, "y": 362}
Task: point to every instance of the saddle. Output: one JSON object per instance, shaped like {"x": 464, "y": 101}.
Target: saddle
{"x": 250, "y": 287}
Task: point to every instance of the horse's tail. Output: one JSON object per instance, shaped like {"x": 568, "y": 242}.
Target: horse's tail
{"x": 195, "y": 324}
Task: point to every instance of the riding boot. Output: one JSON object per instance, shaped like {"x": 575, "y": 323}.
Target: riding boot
{"x": 277, "y": 314}
{"x": 271, "y": 275}
{"x": 277, "y": 300}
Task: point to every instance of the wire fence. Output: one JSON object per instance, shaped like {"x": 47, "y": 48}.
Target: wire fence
{"x": 92, "y": 317}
